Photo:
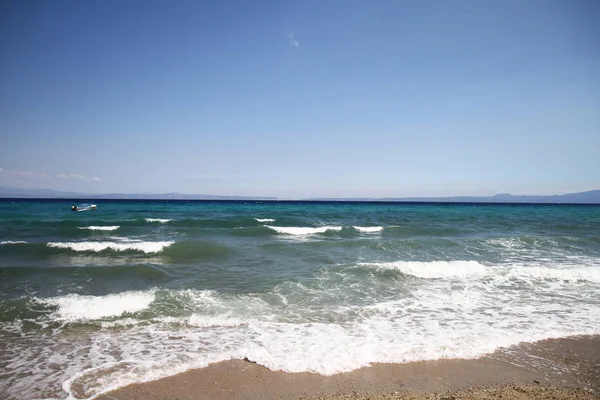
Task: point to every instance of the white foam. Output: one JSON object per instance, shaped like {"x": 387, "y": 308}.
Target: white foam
{"x": 433, "y": 269}
{"x": 100, "y": 228}
{"x": 302, "y": 231}
{"x": 204, "y": 321}
{"x": 265, "y": 219}
{"x": 338, "y": 332}
{"x": 568, "y": 274}
{"x": 13, "y": 242}
{"x": 121, "y": 323}
{"x": 124, "y": 239}
{"x": 75, "y": 307}
{"x": 368, "y": 229}
{"x": 161, "y": 220}
{"x": 145, "y": 247}
{"x": 505, "y": 242}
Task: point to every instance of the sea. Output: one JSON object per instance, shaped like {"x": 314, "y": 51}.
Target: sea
{"x": 138, "y": 290}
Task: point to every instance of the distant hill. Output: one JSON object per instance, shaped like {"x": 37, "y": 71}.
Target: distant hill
{"x": 55, "y": 194}
{"x": 588, "y": 197}
{"x": 38, "y": 193}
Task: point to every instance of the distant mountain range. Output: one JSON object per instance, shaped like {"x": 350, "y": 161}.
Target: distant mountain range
{"x": 56, "y": 194}
{"x": 588, "y": 197}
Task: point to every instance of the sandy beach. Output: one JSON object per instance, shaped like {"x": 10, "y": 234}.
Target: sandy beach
{"x": 566, "y": 368}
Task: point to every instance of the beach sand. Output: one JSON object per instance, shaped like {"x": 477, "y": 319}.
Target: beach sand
{"x": 566, "y": 368}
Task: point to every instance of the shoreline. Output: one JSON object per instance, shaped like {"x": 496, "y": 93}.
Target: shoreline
{"x": 563, "y": 368}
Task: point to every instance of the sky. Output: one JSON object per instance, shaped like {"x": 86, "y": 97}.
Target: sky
{"x": 297, "y": 99}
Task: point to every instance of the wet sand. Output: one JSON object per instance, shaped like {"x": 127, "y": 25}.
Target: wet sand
{"x": 567, "y": 368}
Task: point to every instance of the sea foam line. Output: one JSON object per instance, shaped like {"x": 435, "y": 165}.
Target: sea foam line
{"x": 433, "y": 269}
{"x": 302, "y": 231}
{"x": 146, "y": 247}
{"x": 161, "y": 220}
{"x": 311, "y": 347}
{"x": 368, "y": 229}
{"x": 265, "y": 219}
{"x": 568, "y": 274}
{"x": 238, "y": 327}
{"x": 100, "y": 228}
{"x": 466, "y": 269}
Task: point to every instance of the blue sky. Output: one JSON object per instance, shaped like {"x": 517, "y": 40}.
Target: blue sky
{"x": 301, "y": 98}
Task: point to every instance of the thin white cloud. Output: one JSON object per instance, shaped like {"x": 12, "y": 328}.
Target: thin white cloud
{"x": 43, "y": 175}
{"x": 78, "y": 176}
{"x": 293, "y": 41}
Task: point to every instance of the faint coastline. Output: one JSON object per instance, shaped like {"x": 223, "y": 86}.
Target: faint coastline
{"x": 587, "y": 197}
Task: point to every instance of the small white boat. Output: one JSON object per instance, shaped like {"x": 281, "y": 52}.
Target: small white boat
{"x": 84, "y": 207}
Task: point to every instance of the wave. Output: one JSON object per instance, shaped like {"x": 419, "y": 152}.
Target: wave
{"x": 368, "y": 229}
{"x": 302, "y": 231}
{"x": 474, "y": 269}
{"x": 432, "y": 269}
{"x": 86, "y": 252}
{"x": 442, "y": 325}
{"x": 161, "y": 220}
{"x": 526, "y": 242}
{"x": 329, "y": 335}
{"x": 13, "y": 242}
{"x": 203, "y": 321}
{"x": 100, "y": 228}
{"x": 568, "y": 274}
{"x": 265, "y": 219}
{"x": 162, "y": 306}
{"x": 519, "y": 242}
{"x": 145, "y": 247}
{"x": 195, "y": 320}
{"x": 78, "y": 308}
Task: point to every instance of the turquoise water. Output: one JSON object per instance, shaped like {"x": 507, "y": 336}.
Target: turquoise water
{"x": 133, "y": 291}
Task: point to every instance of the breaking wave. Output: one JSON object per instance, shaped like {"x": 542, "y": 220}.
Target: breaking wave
{"x": 432, "y": 269}
{"x": 145, "y": 247}
{"x": 302, "y": 231}
{"x": 100, "y": 228}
